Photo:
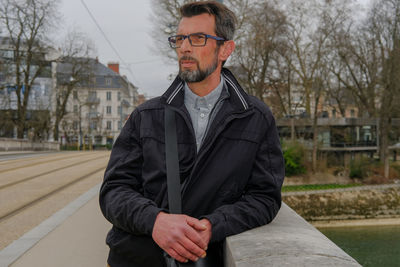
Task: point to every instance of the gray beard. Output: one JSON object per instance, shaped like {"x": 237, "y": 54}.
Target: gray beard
{"x": 194, "y": 76}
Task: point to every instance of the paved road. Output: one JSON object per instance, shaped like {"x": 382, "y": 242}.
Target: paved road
{"x": 34, "y": 188}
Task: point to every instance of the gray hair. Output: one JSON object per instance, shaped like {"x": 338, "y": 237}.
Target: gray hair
{"x": 225, "y": 19}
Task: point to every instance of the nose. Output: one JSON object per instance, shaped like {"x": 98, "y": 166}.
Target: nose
{"x": 186, "y": 46}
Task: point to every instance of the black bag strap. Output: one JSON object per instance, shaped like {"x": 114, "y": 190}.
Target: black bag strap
{"x": 172, "y": 163}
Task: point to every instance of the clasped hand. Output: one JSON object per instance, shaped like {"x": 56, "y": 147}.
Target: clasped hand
{"x": 182, "y": 237}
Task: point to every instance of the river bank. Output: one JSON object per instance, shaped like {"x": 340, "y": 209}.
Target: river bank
{"x": 357, "y": 223}
{"x": 363, "y": 205}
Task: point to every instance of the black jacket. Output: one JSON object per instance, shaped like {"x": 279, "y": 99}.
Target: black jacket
{"x": 234, "y": 180}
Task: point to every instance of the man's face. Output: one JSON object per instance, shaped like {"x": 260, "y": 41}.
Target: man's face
{"x": 197, "y": 63}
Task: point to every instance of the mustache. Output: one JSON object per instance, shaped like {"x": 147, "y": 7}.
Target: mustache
{"x": 187, "y": 58}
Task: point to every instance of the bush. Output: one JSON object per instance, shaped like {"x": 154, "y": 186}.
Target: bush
{"x": 102, "y": 147}
{"x": 395, "y": 170}
{"x": 294, "y": 155}
{"x": 359, "y": 168}
{"x": 68, "y": 147}
{"x": 86, "y": 147}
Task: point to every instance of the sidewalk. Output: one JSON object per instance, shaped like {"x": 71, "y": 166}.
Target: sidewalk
{"x": 74, "y": 236}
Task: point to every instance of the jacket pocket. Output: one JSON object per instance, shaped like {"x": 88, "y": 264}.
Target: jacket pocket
{"x": 238, "y": 134}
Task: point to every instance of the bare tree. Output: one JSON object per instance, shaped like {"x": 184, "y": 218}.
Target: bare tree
{"x": 311, "y": 25}
{"x": 257, "y": 45}
{"x": 27, "y": 24}
{"x": 73, "y": 69}
{"x": 371, "y": 56}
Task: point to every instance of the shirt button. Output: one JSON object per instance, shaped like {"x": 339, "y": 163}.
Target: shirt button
{"x": 202, "y": 115}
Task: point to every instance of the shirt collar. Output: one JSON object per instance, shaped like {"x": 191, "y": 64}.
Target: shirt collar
{"x": 195, "y": 101}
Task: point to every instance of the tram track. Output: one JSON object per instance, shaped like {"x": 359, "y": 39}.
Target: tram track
{"x": 48, "y": 172}
{"x": 43, "y": 160}
{"x": 5, "y": 157}
{"x": 46, "y": 195}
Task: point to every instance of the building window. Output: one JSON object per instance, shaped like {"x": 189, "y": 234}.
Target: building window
{"x": 75, "y": 108}
{"x": 119, "y": 96}
{"x": 109, "y": 125}
{"x": 92, "y": 94}
{"x": 98, "y": 139}
{"x": 9, "y": 54}
{"x": 108, "y": 81}
{"x": 119, "y": 110}
{"x": 352, "y": 113}
{"x": 108, "y": 109}
{"x": 108, "y": 96}
{"x": 75, "y": 125}
{"x": 93, "y": 125}
{"x": 334, "y": 113}
{"x": 75, "y": 94}
{"x": 119, "y": 125}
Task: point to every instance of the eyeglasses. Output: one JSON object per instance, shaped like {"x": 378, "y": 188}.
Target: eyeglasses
{"x": 195, "y": 39}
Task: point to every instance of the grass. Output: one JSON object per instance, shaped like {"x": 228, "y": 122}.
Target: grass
{"x": 308, "y": 187}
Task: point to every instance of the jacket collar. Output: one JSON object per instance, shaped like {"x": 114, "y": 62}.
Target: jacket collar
{"x": 238, "y": 97}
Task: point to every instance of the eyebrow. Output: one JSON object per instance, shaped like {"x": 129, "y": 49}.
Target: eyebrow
{"x": 192, "y": 33}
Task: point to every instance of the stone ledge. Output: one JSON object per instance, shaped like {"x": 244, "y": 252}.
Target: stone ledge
{"x": 287, "y": 241}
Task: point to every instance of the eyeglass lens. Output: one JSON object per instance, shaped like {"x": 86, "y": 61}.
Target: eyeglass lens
{"x": 194, "y": 39}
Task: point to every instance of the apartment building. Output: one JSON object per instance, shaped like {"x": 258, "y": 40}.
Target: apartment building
{"x": 99, "y": 105}
{"x": 97, "y": 108}
{"x": 40, "y": 91}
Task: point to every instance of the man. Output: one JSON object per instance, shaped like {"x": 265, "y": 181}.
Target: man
{"x": 230, "y": 160}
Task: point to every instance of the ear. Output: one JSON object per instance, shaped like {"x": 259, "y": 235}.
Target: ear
{"x": 226, "y": 50}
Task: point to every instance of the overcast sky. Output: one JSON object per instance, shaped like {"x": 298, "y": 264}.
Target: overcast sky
{"x": 127, "y": 25}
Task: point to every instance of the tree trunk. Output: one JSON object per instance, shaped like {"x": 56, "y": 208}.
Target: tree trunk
{"x": 384, "y": 144}
{"x": 315, "y": 145}
{"x": 56, "y": 130}
{"x": 21, "y": 123}
{"x": 292, "y": 130}
{"x": 20, "y": 129}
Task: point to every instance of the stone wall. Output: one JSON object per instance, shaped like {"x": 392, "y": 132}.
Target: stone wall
{"x": 351, "y": 203}
{"x": 10, "y": 144}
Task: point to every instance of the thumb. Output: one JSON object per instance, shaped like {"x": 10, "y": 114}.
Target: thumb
{"x": 196, "y": 224}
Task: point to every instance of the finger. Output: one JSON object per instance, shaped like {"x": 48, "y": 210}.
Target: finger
{"x": 176, "y": 256}
{"x": 196, "y": 224}
{"x": 184, "y": 252}
{"x": 193, "y": 248}
{"x": 195, "y": 238}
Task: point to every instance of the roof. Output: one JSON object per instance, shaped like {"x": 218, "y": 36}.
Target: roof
{"x": 95, "y": 67}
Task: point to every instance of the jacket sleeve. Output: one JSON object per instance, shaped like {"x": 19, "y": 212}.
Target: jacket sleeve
{"x": 121, "y": 194}
{"x": 261, "y": 200}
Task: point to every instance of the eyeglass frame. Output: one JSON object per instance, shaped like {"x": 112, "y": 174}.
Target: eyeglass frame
{"x": 190, "y": 40}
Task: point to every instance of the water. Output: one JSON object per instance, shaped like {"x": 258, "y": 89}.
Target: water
{"x": 369, "y": 245}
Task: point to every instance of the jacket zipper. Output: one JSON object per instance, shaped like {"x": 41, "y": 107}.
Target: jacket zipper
{"x": 207, "y": 144}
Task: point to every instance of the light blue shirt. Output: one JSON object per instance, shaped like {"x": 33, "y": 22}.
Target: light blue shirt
{"x": 201, "y": 108}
